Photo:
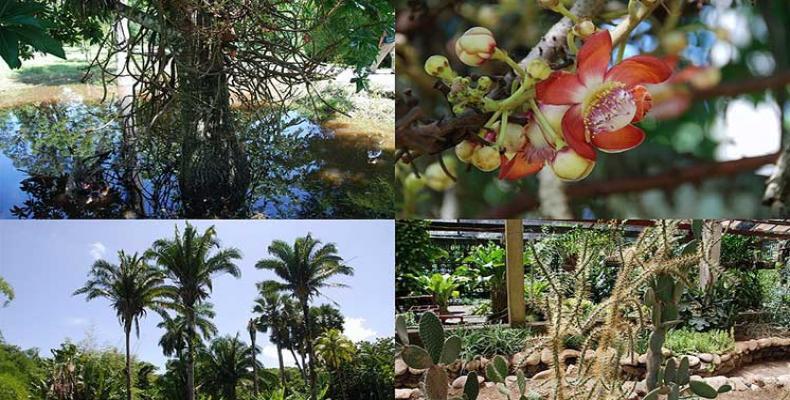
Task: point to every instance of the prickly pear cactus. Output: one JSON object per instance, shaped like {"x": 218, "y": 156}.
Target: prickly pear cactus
{"x": 497, "y": 371}
{"x": 662, "y": 296}
{"x": 674, "y": 382}
{"x": 437, "y": 353}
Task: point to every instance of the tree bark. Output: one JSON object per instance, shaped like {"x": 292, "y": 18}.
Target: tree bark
{"x": 127, "y": 331}
{"x": 254, "y": 365}
{"x": 309, "y": 345}
{"x": 214, "y": 173}
{"x": 282, "y": 365}
{"x": 190, "y": 364}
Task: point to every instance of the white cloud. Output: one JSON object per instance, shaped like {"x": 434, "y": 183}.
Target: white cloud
{"x": 76, "y": 321}
{"x": 98, "y": 250}
{"x": 355, "y": 330}
{"x": 270, "y": 357}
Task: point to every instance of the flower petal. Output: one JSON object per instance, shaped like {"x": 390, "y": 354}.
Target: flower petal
{"x": 620, "y": 140}
{"x": 561, "y": 88}
{"x": 643, "y": 100}
{"x": 594, "y": 58}
{"x": 573, "y": 131}
{"x": 638, "y": 70}
{"x": 518, "y": 167}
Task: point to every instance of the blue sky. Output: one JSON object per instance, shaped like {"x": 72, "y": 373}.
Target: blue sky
{"x": 45, "y": 261}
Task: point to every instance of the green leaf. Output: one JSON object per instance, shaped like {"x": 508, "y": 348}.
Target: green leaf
{"x": 450, "y": 350}
{"x": 683, "y": 371}
{"x": 401, "y": 329}
{"x": 471, "y": 387}
{"x": 702, "y": 389}
{"x": 9, "y": 48}
{"x": 432, "y": 335}
{"x": 416, "y": 357}
{"x": 39, "y": 39}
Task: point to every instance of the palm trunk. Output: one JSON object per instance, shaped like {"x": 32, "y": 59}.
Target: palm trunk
{"x": 298, "y": 365}
{"x": 254, "y": 365}
{"x": 190, "y": 365}
{"x": 282, "y": 365}
{"x": 309, "y": 345}
{"x": 127, "y": 331}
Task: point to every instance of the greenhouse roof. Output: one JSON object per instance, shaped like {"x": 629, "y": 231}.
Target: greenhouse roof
{"x": 484, "y": 230}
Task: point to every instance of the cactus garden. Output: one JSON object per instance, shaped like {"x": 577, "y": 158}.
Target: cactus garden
{"x": 557, "y": 309}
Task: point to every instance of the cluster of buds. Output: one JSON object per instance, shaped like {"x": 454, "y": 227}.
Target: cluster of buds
{"x": 569, "y": 116}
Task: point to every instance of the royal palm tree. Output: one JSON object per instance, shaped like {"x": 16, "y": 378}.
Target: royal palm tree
{"x": 191, "y": 261}
{"x": 225, "y": 364}
{"x": 252, "y": 329}
{"x": 305, "y": 269}
{"x": 270, "y": 309}
{"x": 174, "y": 340}
{"x": 133, "y": 287}
{"x": 334, "y": 350}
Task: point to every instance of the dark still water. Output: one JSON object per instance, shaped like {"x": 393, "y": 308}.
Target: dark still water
{"x": 73, "y": 160}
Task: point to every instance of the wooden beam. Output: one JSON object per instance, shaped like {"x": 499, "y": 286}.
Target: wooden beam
{"x": 514, "y": 248}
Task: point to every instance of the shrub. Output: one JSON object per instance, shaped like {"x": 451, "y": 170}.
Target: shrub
{"x": 684, "y": 341}
{"x": 12, "y": 388}
{"x": 491, "y": 340}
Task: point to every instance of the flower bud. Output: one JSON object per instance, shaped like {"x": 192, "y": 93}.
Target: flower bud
{"x": 673, "y": 42}
{"x": 584, "y": 28}
{"x": 465, "y": 150}
{"x": 538, "y": 69}
{"x": 439, "y": 67}
{"x": 514, "y": 139}
{"x": 475, "y": 46}
{"x": 486, "y": 158}
{"x": 570, "y": 166}
{"x": 706, "y": 78}
{"x": 437, "y": 179}
{"x": 484, "y": 83}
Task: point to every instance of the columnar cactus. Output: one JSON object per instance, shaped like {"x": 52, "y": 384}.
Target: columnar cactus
{"x": 437, "y": 353}
{"x": 663, "y": 296}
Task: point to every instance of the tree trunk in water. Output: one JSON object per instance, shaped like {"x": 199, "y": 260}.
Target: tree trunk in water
{"x": 128, "y": 330}
{"x": 309, "y": 345}
{"x": 128, "y": 152}
{"x": 282, "y": 365}
{"x": 214, "y": 174}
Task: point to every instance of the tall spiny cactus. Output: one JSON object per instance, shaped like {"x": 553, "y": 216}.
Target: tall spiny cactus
{"x": 437, "y": 353}
{"x": 662, "y": 296}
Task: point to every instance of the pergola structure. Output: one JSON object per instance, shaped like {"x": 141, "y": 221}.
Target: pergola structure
{"x": 513, "y": 233}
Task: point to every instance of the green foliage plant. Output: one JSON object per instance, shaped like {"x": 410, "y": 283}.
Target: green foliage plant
{"x": 414, "y": 254}
{"x": 443, "y": 287}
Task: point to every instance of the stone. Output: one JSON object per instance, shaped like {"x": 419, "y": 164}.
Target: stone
{"x": 642, "y": 359}
{"x": 403, "y": 394}
{"x": 764, "y": 342}
{"x": 545, "y": 374}
{"x": 400, "y": 367}
{"x": 459, "y": 382}
{"x": 416, "y": 394}
{"x": 716, "y": 381}
{"x": 666, "y": 352}
{"x": 630, "y": 360}
{"x": 546, "y": 357}
{"x": 641, "y": 388}
{"x": 571, "y": 370}
{"x": 705, "y": 357}
{"x": 415, "y": 371}
{"x": 693, "y": 361}
{"x": 741, "y": 347}
{"x": 738, "y": 384}
{"x": 519, "y": 359}
{"x": 716, "y": 360}
{"x": 511, "y": 380}
{"x": 752, "y": 345}
{"x": 589, "y": 354}
{"x": 725, "y": 357}
{"x": 533, "y": 359}
{"x": 473, "y": 365}
{"x": 569, "y": 354}
{"x": 783, "y": 381}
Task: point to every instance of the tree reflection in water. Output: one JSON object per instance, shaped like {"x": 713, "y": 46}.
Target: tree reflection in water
{"x": 70, "y": 156}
